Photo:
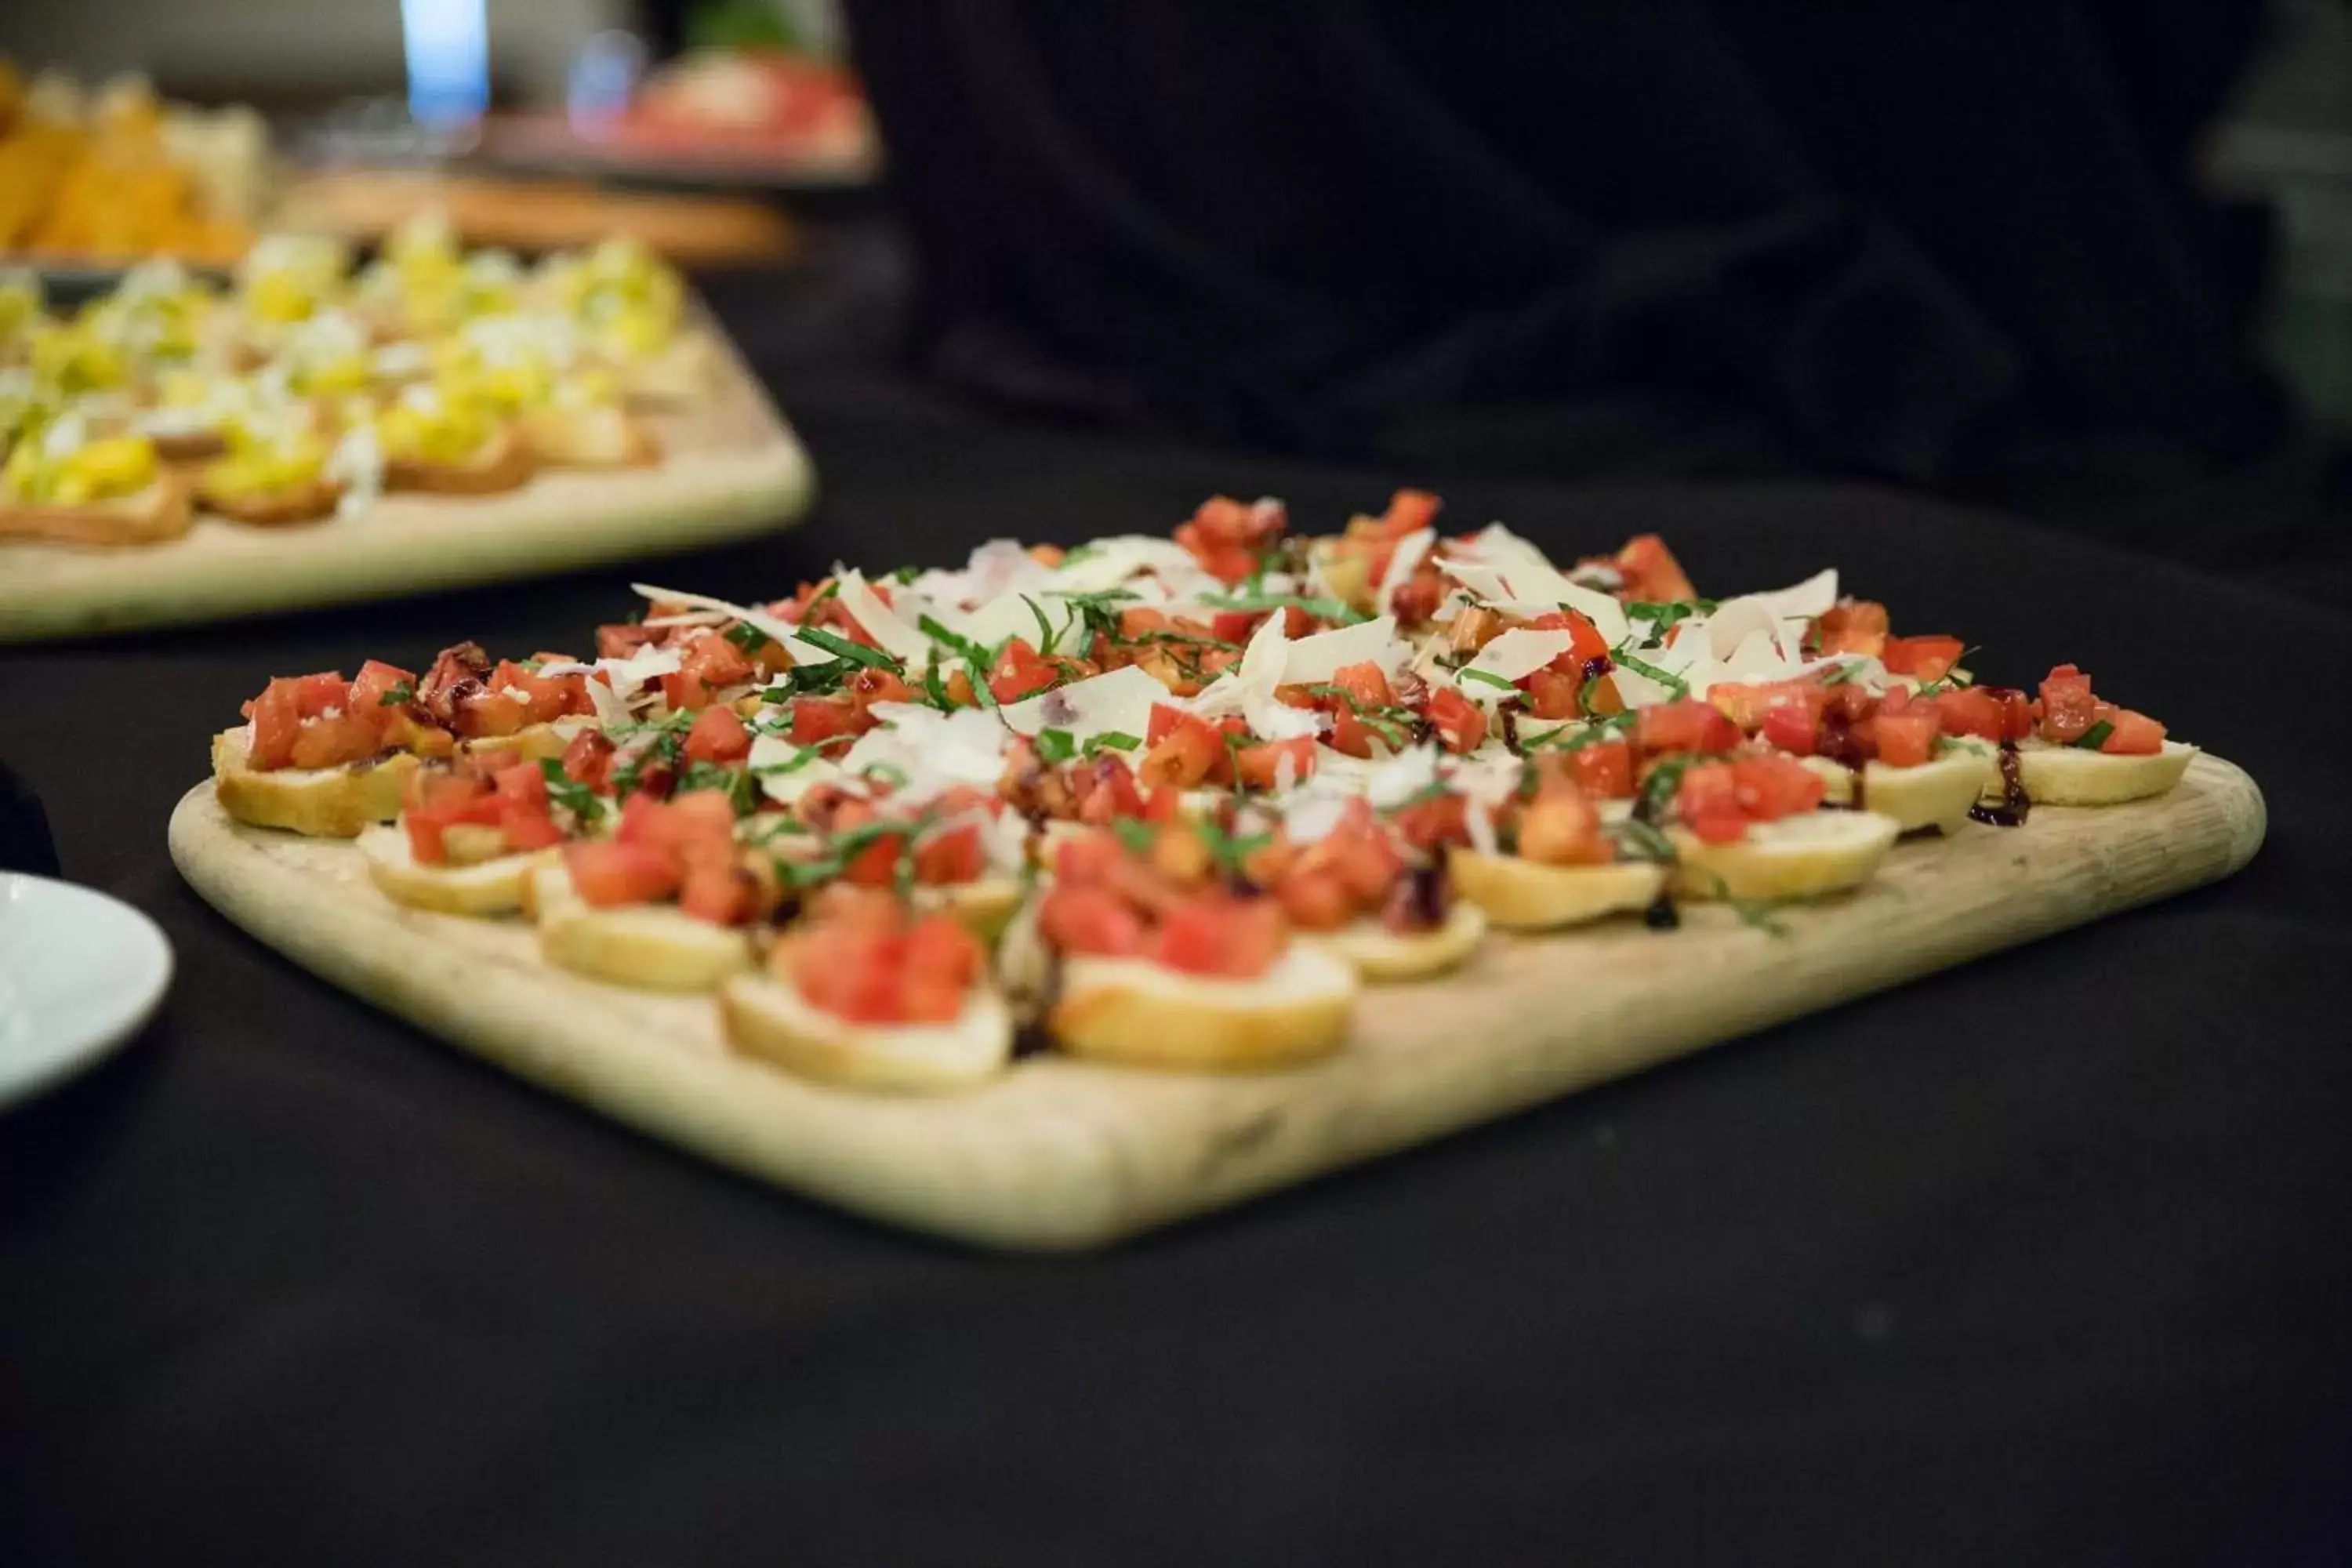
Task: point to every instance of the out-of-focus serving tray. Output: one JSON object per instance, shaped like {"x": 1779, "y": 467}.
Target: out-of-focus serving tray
{"x": 1062, "y": 1154}
{"x": 731, "y": 467}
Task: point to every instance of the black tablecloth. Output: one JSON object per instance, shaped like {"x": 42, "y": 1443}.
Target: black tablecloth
{"x": 2049, "y": 1259}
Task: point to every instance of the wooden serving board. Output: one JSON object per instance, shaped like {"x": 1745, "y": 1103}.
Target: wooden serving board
{"x": 731, "y": 467}
{"x": 1060, "y": 1155}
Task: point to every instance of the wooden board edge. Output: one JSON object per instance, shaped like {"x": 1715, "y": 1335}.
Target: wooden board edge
{"x": 172, "y": 593}
{"x": 900, "y": 1163}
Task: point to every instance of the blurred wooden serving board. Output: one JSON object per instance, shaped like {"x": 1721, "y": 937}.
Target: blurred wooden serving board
{"x": 1061, "y": 1154}
{"x": 731, "y": 467}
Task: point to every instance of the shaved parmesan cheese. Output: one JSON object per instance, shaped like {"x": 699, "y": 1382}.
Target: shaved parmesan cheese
{"x": 1107, "y": 563}
{"x": 1400, "y": 778}
{"x": 1258, "y": 674}
{"x": 1312, "y": 661}
{"x": 1014, "y": 615}
{"x": 781, "y": 630}
{"x": 1119, "y": 703}
{"x": 1808, "y": 600}
{"x": 1403, "y": 565}
{"x": 930, "y": 750}
{"x": 768, "y": 760}
{"x": 864, "y": 605}
{"x": 1512, "y": 574}
{"x": 1519, "y": 653}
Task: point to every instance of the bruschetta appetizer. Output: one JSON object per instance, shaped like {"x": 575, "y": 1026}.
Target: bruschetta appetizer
{"x": 867, "y": 993}
{"x": 1160, "y": 966}
{"x": 65, "y": 484}
{"x": 1172, "y": 801}
{"x": 437, "y": 443}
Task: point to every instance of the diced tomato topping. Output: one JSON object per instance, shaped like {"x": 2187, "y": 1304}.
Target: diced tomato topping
{"x": 950, "y": 858}
{"x": 1684, "y": 726}
{"x": 1226, "y": 536}
{"x": 486, "y": 715}
{"x": 817, "y": 720}
{"x": 1970, "y": 710}
{"x": 1706, "y": 797}
{"x": 1922, "y": 658}
{"x": 1021, "y": 671}
{"x": 611, "y": 873}
{"x": 1366, "y": 684}
{"x": 1261, "y": 766}
{"x": 1589, "y": 643}
{"x": 718, "y": 736}
{"x": 1651, "y": 570}
{"x": 1853, "y": 625}
{"x": 523, "y": 814}
{"x": 869, "y": 962}
{"x": 2133, "y": 735}
{"x": 1603, "y": 770}
{"x": 705, "y": 664}
{"x": 1561, "y": 828}
{"x": 1552, "y": 694}
{"x": 1904, "y": 738}
{"x": 1438, "y": 820}
{"x": 1408, "y": 512}
{"x": 1460, "y": 723}
{"x": 1772, "y": 787}
{"x": 377, "y": 680}
{"x": 2068, "y": 709}
{"x": 1235, "y": 939}
{"x": 1184, "y": 749}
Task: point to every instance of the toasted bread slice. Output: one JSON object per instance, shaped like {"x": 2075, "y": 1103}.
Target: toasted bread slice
{"x": 1379, "y": 954}
{"x": 2068, "y": 776}
{"x": 188, "y": 445}
{"x": 1527, "y": 895}
{"x": 322, "y": 803}
{"x": 587, "y": 438}
{"x": 492, "y": 887}
{"x": 1803, "y": 856}
{"x": 653, "y": 947}
{"x": 272, "y": 508}
{"x": 770, "y": 1019}
{"x": 1936, "y": 793}
{"x": 676, "y": 375}
{"x": 504, "y": 463}
{"x": 533, "y": 743}
{"x": 1140, "y": 1013}
{"x": 983, "y": 907}
{"x": 160, "y": 511}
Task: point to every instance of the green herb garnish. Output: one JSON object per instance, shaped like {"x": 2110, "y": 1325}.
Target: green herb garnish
{"x": 1228, "y": 850}
{"x": 1655, "y": 799}
{"x": 1138, "y": 835}
{"x": 1639, "y": 840}
{"x": 570, "y": 794}
{"x": 748, "y": 637}
{"x": 735, "y": 784}
{"x": 954, "y": 642}
{"x": 1666, "y": 677}
{"x": 399, "y": 696}
{"x": 1110, "y": 740}
{"x": 842, "y": 647}
{"x": 1331, "y": 610}
{"x": 1485, "y": 678}
{"x": 1055, "y": 745}
{"x": 2092, "y": 739}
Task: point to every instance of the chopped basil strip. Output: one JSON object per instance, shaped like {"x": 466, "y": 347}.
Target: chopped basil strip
{"x": 1055, "y": 745}
{"x": 1485, "y": 678}
{"x": 1639, "y": 840}
{"x": 1110, "y": 740}
{"x": 1666, "y": 677}
{"x": 954, "y": 642}
{"x": 1257, "y": 604}
{"x": 1138, "y": 835}
{"x": 747, "y": 636}
{"x": 842, "y": 647}
{"x": 399, "y": 696}
{"x": 2095, "y": 736}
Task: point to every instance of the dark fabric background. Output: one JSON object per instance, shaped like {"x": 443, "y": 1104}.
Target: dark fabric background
{"x": 1949, "y": 243}
{"x": 2047, "y": 1260}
